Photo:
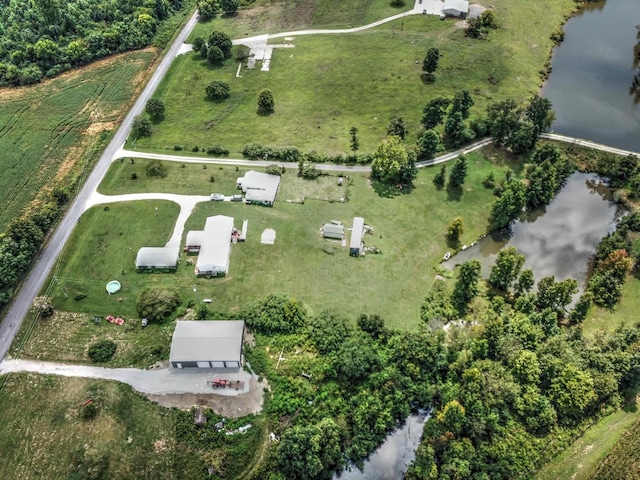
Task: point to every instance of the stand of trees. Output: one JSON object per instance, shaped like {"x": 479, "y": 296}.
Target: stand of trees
{"x": 43, "y": 38}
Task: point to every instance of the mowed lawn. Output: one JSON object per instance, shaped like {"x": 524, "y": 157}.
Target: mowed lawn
{"x": 51, "y": 133}
{"x": 626, "y": 312}
{"x": 329, "y": 83}
{"x": 268, "y": 16}
{"x": 409, "y": 229}
{"x": 43, "y": 437}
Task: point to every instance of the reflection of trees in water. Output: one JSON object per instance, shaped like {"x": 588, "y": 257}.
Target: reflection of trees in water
{"x": 596, "y": 185}
{"x": 634, "y": 90}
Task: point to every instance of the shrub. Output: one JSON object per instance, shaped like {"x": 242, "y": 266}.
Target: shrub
{"x": 266, "y": 103}
{"x": 178, "y": 148}
{"x": 155, "y": 169}
{"x": 217, "y": 150}
{"x": 156, "y": 304}
{"x": 101, "y": 351}
{"x": 89, "y": 411}
{"x": 276, "y": 314}
{"x": 273, "y": 169}
{"x": 141, "y": 126}
{"x": 218, "y": 90}
{"x": 134, "y": 176}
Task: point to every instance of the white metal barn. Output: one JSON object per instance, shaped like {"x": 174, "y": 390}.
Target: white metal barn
{"x": 356, "y": 247}
{"x": 157, "y": 258}
{"x": 207, "y": 344}
{"x": 456, "y": 8}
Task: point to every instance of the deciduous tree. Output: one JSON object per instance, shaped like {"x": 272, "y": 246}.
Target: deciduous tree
{"x": 434, "y": 112}
{"x": 430, "y": 62}
{"x": 428, "y": 144}
{"x": 389, "y": 158}
{"x": 458, "y": 172}
{"x": 466, "y": 288}
{"x": 266, "y": 103}
{"x": 218, "y": 90}
{"x": 155, "y": 109}
{"x": 506, "y": 268}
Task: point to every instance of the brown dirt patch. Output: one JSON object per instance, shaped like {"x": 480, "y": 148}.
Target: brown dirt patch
{"x": 10, "y": 94}
{"x": 227, "y": 406}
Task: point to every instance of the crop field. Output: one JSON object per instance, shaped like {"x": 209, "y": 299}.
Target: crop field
{"x": 328, "y": 83}
{"x": 47, "y": 131}
{"x": 580, "y": 460}
{"x": 622, "y": 462}
{"x": 409, "y": 229}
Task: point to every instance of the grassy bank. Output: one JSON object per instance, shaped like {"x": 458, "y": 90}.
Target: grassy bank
{"x": 45, "y": 437}
{"x": 329, "y": 83}
{"x": 48, "y": 131}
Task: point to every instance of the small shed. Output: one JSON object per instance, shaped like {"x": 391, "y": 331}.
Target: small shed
{"x": 331, "y": 230}
{"x": 356, "y": 246}
{"x": 157, "y": 259}
{"x": 207, "y": 344}
{"x": 268, "y": 237}
{"x": 456, "y": 8}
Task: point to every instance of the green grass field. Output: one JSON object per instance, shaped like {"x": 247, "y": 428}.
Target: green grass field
{"x": 47, "y": 131}
{"x": 409, "y": 229}
{"x": 329, "y": 83}
{"x": 580, "y": 460}
{"x": 42, "y": 432}
{"x": 268, "y": 16}
{"x": 626, "y": 312}
{"x": 43, "y": 436}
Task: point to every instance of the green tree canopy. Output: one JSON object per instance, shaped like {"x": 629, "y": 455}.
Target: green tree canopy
{"x": 506, "y": 269}
{"x": 157, "y": 304}
{"x": 389, "y": 158}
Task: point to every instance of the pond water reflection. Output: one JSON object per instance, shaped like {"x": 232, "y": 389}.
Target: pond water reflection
{"x": 559, "y": 239}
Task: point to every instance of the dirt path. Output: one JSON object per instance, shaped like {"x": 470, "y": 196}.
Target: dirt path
{"x": 167, "y": 386}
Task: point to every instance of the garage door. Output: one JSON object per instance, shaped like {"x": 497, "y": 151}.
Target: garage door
{"x": 232, "y": 364}
{"x": 217, "y": 364}
{"x": 204, "y": 365}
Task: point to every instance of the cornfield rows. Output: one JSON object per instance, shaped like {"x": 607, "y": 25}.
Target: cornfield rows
{"x": 42, "y": 129}
{"x": 622, "y": 462}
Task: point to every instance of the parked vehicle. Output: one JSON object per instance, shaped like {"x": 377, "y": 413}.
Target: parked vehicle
{"x": 217, "y": 197}
{"x": 236, "y": 198}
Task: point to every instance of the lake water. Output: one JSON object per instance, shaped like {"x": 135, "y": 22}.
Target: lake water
{"x": 593, "y": 70}
{"x": 559, "y": 239}
{"x": 391, "y": 459}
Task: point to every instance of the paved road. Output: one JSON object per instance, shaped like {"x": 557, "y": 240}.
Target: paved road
{"x": 47, "y": 258}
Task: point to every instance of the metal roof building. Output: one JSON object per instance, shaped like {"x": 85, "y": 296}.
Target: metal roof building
{"x": 357, "y": 232}
{"x": 259, "y": 187}
{"x": 456, "y": 8}
{"x": 215, "y": 248}
{"x": 207, "y": 344}
{"x": 160, "y": 258}
{"x": 330, "y": 230}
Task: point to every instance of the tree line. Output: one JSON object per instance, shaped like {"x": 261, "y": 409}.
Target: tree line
{"x": 42, "y": 38}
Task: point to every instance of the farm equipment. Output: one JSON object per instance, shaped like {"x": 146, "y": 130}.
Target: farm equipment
{"x": 222, "y": 383}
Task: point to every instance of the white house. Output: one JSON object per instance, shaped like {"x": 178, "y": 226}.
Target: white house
{"x": 213, "y": 245}
{"x": 259, "y": 188}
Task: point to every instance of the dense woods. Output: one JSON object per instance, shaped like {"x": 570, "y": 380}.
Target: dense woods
{"x": 41, "y": 38}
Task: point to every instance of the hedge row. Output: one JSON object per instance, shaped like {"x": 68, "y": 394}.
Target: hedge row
{"x": 256, "y": 151}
